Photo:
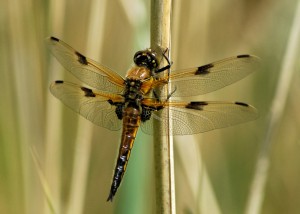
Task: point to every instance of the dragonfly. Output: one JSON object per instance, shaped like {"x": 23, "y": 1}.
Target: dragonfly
{"x": 137, "y": 101}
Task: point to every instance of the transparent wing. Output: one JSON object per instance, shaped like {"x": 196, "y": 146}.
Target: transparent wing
{"x": 94, "y": 106}
{"x": 213, "y": 76}
{"x": 86, "y": 70}
{"x": 197, "y": 117}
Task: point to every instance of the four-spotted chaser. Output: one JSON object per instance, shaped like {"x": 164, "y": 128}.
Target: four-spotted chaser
{"x": 133, "y": 102}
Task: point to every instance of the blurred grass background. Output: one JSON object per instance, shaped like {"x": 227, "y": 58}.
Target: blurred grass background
{"x": 214, "y": 171}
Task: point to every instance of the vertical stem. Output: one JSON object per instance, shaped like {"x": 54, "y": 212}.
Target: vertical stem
{"x": 257, "y": 193}
{"x": 85, "y": 128}
{"x": 163, "y": 146}
{"x": 54, "y": 118}
{"x": 160, "y": 23}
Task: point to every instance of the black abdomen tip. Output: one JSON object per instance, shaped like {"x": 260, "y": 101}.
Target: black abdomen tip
{"x": 54, "y": 38}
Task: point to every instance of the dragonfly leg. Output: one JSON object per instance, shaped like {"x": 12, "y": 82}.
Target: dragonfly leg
{"x": 168, "y": 66}
{"x": 171, "y": 93}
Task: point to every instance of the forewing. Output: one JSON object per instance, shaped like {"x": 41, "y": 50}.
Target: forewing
{"x": 94, "y": 106}
{"x": 213, "y": 76}
{"x": 197, "y": 117}
{"x": 86, "y": 70}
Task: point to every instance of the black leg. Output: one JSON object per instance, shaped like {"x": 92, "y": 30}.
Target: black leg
{"x": 170, "y": 94}
{"x": 167, "y": 66}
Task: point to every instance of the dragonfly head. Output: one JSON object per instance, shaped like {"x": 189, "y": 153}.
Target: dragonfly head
{"x": 146, "y": 58}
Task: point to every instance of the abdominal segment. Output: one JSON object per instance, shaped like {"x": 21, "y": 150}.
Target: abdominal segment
{"x": 131, "y": 123}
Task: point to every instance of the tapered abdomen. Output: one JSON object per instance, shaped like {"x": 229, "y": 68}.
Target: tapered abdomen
{"x": 131, "y": 123}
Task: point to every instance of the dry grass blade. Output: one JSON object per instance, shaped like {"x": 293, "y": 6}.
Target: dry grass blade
{"x": 85, "y": 128}
{"x": 53, "y": 130}
{"x": 43, "y": 180}
{"x": 257, "y": 193}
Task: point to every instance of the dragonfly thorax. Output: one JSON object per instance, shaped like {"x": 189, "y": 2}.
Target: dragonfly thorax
{"x": 138, "y": 73}
{"x": 133, "y": 90}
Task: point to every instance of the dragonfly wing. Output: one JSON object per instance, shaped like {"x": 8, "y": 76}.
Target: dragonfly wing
{"x": 86, "y": 70}
{"x": 197, "y": 117}
{"x": 213, "y": 76}
{"x": 94, "y": 106}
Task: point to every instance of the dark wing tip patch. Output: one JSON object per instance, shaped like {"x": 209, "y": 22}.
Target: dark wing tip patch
{"x": 82, "y": 59}
{"x": 88, "y": 92}
{"x": 243, "y": 56}
{"x": 204, "y": 69}
{"x": 242, "y": 104}
{"x": 59, "y": 81}
{"x": 196, "y": 105}
{"x": 54, "y": 39}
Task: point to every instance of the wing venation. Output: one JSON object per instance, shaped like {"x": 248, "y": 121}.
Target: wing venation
{"x": 85, "y": 69}
{"x": 93, "y": 105}
{"x": 197, "y": 117}
{"x": 213, "y": 76}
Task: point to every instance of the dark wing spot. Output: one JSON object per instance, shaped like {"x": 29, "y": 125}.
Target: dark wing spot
{"x": 203, "y": 103}
{"x": 243, "y": 56}
{"x": 196, "y": 105}
{"x": 119, "y": 108}
{"x": 204, "y": 69}
{"x": 119, "y": 111}
{"x": 81, "y": 58}
{"x": 159, "y": 108}
{"x": 146, "y": 114}
{"x": 59, "y": 81}
{"x": 110, "y": 102}
{"x": 88, "y": 92}
{"x": 242, "y": 104}
{"x": 54, "y": 39}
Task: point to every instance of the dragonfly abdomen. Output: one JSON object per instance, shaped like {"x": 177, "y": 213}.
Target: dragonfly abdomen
{"x": 131, "y": 123}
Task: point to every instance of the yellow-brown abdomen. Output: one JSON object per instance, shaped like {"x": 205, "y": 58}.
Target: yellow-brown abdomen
{"x": 131, "y": 123}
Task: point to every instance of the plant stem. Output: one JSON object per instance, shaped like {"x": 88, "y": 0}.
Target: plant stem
{"x": 257, "y": 193}
{"x": 85, "y": 128}
{"x": 163, "y": 146}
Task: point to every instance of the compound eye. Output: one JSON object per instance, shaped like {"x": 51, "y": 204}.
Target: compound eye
{"x": 140, "y": 58}
{"x": 137, "y": 56}
{"x": 145, "y": 58}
